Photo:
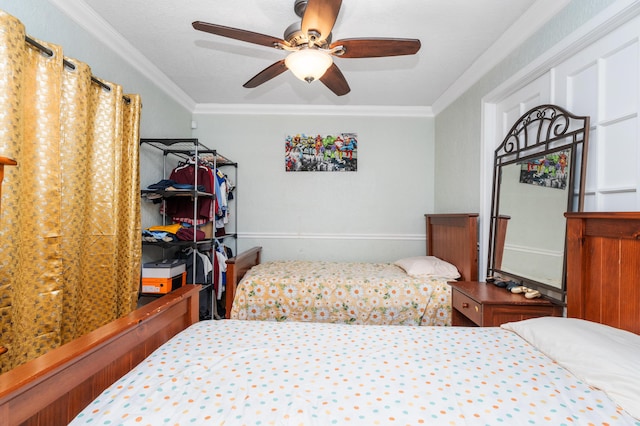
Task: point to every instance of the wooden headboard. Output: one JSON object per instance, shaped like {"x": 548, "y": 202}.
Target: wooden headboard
{"x": 603, "y": 268}
{"x": 454, "y": 238}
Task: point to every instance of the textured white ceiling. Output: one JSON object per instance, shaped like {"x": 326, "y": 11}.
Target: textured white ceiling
{"x": 212, "y": 69}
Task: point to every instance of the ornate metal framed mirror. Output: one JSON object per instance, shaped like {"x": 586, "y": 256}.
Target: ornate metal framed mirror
{"x": 539, "y": 173}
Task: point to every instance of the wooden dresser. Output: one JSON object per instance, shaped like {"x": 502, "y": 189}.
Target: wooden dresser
{"x": 476, "y": 303}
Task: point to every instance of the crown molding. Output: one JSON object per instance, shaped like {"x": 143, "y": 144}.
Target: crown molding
{"x": 524, "y": 27}
{"x": 91, "y": 22}
{"x": 316, "y": 110}
{"x": 530, "y": 22}
{"x": 94, "y": 24}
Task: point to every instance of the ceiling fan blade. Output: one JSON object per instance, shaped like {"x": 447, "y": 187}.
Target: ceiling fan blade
{"x": 237, "y": 34}
{"x": 320, "y": 16}
{"x": 335, "y": 81}
{"x": 377, "y": 47}
{"x": 266, "y": 74}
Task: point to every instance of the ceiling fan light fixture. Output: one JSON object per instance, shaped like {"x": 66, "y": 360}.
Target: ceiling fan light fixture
{"x": 308, "y": 64}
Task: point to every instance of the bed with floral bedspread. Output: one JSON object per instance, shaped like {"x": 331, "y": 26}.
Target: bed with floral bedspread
{"x": 342, "y": 292}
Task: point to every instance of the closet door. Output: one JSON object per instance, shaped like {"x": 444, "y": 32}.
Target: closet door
{"x": 603, "y": 81}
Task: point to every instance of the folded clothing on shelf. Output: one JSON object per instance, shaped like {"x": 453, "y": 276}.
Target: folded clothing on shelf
{"x": 158, "y": 236}
{"x": 172, "y": 185}
{"x": 187, "y": 234}
{"x": 179, "y": 186}
{"x": 163, "y": 184}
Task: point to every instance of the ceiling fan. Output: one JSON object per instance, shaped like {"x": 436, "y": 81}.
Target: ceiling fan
{"x": 312, "y": 50}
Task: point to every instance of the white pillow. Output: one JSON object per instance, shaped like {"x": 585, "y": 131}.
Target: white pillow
{"x": 428, "y": 265}
{"x": 604, "y": 357}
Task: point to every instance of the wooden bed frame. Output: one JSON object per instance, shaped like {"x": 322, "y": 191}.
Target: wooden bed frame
{"x": 236, "y": 268}
{"x": 451, "y": 237}
{"x": 454, "y": 238}
{"x": 54, "y": 388}
{"x": 603, "y": 268}
{"x": 603, "y": 282}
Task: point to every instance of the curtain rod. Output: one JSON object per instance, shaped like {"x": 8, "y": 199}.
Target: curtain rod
{"x": 68, "y": 64}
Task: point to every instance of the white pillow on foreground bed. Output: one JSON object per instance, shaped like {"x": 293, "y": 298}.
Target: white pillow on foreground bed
{"x": 428, "y": 265}
{"x": 604, "y": 357}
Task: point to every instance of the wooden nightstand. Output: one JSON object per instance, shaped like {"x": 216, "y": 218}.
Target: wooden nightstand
{"x": 479, "y": 304}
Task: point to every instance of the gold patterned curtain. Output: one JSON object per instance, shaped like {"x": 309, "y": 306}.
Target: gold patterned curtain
{"x": 70, "y": 219}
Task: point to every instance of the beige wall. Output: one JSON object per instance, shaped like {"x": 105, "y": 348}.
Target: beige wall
{"x": 374, "y": 214}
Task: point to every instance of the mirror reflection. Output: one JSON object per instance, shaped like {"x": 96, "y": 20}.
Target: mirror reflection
{"x": 534, "y": 241}
{"x": 538, "y": 176}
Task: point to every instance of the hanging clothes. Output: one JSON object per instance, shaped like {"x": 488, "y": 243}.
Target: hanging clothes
{"x": 221, "y": 257}
{"x": 181, "y": 208}
{"x": 204, "y": 267}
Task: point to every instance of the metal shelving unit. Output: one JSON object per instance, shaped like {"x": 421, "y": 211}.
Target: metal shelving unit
{"x": 183, "y": 150}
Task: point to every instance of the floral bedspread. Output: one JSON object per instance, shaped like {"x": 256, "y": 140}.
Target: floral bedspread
{"x": 341, "y": 292}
